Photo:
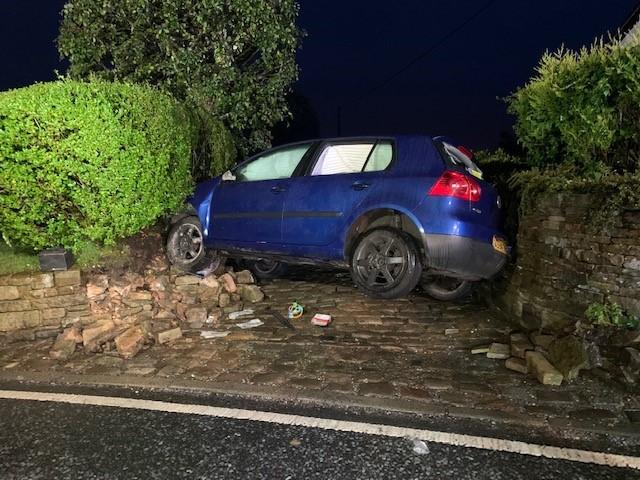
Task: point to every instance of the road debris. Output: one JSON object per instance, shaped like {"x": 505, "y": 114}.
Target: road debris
{"x": 208, "y": 334}
{"x": 168, "y": 335}
{"x": 295, "y": 311}
{"x": 480, "y": 349}
{"x": 283, "y": 320}
{"x": 241, "y": 313}
{"x": 419, "y": 447}
{"x": 321, "y": 319}
{"x": 256, "y": 322}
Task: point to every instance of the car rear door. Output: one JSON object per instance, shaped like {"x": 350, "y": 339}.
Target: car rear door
{"x": 342, "y": 175}
{"x": 247, "y": 212}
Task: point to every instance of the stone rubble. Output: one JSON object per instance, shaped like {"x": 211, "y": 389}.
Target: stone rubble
{"x": 569, "y": 356}
{"x": 517, "y": 365}
{"x": 498, "y": 351}
{"x": 553, "y": 359}
{"x": 119, "y": 314}
{"x": 542, "y": 369}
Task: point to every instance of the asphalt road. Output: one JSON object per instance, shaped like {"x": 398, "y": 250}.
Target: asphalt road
{"x": 54, "y": 440}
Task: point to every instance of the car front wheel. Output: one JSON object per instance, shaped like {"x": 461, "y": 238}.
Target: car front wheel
{"x": 185, "y": 245}
{"x": 385, "y": 263}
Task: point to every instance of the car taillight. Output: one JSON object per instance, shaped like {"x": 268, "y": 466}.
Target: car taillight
{"x": 458, "y": 185}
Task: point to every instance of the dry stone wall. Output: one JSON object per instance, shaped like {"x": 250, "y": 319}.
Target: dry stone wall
{"x": 38, "y": 305}
{"x": 563, "y": 265}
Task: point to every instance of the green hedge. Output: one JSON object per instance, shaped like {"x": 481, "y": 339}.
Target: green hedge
{"x": 584, "y": 108}
{"x": 89, "y": 161}
{"x": 214, "y": 151}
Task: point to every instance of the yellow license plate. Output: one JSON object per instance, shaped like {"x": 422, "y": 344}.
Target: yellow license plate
{"x": 500, "y": 245}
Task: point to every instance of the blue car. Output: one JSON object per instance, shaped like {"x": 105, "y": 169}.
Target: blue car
{"x": 392, "y": 210}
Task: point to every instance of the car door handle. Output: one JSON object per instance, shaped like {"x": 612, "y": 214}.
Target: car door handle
{"x": 360, "y": 185}
{"x": 278, "y": 189}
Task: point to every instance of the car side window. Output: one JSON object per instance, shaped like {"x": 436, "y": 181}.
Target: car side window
{"x": 272, "y": 165}
{"x": 380, "y": 158}
{"x": 342, "y": 158}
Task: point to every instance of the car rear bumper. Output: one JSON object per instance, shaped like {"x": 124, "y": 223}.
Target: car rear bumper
{"x": 462, "y": 257}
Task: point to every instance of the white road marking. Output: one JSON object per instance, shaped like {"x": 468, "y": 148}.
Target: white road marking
{"x": 469, "y": 441}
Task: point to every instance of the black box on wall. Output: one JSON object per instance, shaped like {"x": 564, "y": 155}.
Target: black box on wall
{"x": 55, "y": 259}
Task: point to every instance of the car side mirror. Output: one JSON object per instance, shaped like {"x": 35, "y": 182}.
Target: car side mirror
{"x": 228, "y": 176}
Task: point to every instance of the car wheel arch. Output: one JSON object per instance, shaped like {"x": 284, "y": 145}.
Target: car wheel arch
{"x": 382, "y": 217}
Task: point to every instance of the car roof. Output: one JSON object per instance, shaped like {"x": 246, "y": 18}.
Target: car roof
{"x": 359, "y": 137}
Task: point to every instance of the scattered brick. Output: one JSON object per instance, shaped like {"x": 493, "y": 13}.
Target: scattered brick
{"x": 168, "y": 335}
{"x": 229, "y": 283}
{"x": 520, "y": 344}
{"x": 187, "y": 280}
{"x": 130, "y": 342}
{"x": 480, "y": 349}
{"x": 245, "y": 277}
{"x": 542, "y": 369}
{"x": 517, "y": 365}
{"x": 500, "y": 351}
{"x": 251, "y": 293}
{"x": 65, "y": 344}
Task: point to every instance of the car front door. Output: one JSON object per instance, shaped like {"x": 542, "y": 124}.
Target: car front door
{"x": 342, "y": 176}
{"x": 247, "y": 212}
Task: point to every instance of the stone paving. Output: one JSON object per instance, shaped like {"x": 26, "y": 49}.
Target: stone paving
{"x": 398, "y": 349}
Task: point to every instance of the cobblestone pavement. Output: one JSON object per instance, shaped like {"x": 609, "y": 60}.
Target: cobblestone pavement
{"x": 390, "y": 349}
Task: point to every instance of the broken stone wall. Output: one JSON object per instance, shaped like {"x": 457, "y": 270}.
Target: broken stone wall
{"x": 564, "y": 264}
{"x": 42, "y": 305}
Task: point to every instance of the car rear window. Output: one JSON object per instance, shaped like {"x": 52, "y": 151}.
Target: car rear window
{"x": 456, "y": 158}
{"x": 353, "y": 158}
{"x": 380, "y": 158}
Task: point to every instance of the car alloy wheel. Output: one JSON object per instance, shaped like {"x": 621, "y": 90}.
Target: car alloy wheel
{"x": 385, "y": 263}
{"x": 185, "y": 244}
{"x": 189, "y": 245}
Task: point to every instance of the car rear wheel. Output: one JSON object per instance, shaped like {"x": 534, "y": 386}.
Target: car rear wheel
{"x": 266, "y": 269}
{"x": 185, "y": 246}
{"x": 447, "y": 289}
{"x": 385, "y": 263}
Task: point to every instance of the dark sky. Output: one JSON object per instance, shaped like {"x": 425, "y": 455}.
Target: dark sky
{"x": 352, "y": 46}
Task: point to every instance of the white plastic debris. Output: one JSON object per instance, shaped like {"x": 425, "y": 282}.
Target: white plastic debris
{"x": 213, "y": 334}
{"x": 256, "y": 322}
{"x": 419, "y": 447}
{"x": 241, "y": 313}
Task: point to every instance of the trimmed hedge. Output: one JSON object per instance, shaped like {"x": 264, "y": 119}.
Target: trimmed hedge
{"x": 584, "y": 108}
{"x": 91, "y": 161}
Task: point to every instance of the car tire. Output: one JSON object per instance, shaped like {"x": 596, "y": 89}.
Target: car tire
{"x": 266, "y": 269}
{"x": 385, "y": 263}
{"x": 185, "y": 245}
{"x": 448, "y": 292}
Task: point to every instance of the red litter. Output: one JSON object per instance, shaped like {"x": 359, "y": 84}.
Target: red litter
{"x": 321, "y": 319}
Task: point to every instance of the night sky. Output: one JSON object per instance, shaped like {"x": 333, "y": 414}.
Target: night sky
{"x": 353, "y": 47}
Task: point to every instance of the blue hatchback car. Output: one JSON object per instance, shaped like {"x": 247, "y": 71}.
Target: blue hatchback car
{"x": 390, "y": 209}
